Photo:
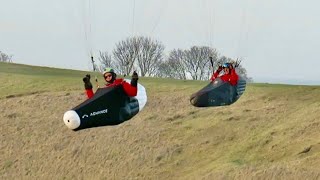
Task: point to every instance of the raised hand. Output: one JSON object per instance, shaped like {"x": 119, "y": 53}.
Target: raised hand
{"x": 87, "y": 83}
{"x": 134, "y": 79}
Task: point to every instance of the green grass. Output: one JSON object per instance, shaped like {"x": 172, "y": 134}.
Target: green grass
{"x": 261, "y": 136}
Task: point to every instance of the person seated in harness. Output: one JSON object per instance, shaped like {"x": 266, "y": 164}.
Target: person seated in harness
{"x": 111, "y": 80}
{"x": 230, "y": 75}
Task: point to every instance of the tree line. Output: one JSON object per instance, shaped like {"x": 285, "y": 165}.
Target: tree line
{"x": 146, "y": 56}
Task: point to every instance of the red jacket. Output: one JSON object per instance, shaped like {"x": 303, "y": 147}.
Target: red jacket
{"x": 128, "y": 89}
{"x": 232, "y": 77}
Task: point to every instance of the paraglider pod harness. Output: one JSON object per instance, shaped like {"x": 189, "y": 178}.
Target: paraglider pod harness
{"x": 118, "y": 107}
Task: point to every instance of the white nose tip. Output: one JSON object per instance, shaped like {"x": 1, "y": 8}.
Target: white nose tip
{"x": 71, "y": 119}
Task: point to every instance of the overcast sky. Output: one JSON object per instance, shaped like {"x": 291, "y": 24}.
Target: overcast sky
{"x": 278, "y": 39}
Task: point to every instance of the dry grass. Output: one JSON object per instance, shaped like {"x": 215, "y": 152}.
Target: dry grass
{"x": 272, "y": 132}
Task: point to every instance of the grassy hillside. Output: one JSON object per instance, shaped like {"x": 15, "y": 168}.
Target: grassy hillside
{"x": 272, "y": 132}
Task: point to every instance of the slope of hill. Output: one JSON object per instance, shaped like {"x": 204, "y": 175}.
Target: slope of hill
{"x": 271, "y": 132}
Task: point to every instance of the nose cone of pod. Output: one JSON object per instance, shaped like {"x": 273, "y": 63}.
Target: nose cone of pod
{"x": 71, "y": 119}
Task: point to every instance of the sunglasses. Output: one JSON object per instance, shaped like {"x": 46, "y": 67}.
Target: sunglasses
{"x": 108, "y": 76}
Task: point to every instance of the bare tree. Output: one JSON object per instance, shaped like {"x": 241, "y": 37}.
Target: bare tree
{"x": 182, "y": 64}
{"x": 196, "y": 61}
{"x": 164, "y": 70}
{"x": 105, "y": 60}
{"x": 125, "y": 54}
{"x": 150, "y": 55}
{"x": 5, "y": 58}
{"x": 176, "y": 65}
{"x": 140, "y": 52}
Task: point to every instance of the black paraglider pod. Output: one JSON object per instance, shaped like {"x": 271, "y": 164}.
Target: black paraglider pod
{"x": 218, "y": 93}
{"x": 109, "y": 106}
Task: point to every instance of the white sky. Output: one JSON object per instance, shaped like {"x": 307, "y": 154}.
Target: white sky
{"x": 278, "y": 39}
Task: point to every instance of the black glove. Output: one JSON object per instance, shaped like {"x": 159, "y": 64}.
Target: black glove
{"x": 237, "y": 64}
{"x": 87, "y": 83}
{"x": 134, "y": 79}
{"x": 219, "y": 69}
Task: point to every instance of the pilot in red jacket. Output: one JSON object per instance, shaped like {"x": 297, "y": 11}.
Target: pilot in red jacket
{"x": 110, "y": 77}
{"x": 229, "y": 75}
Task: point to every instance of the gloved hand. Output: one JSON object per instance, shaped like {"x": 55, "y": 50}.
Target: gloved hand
{"x": 237, "y": 64}
{"x": 219, "y": 69}
{"x": 211, "y": 61}
{"x": 87, "y": 83}
{"x": 134, "y": 79}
